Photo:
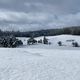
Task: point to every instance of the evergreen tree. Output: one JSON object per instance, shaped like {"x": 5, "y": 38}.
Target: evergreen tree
{"x": 9, "y": 41}
{"x": 45, "y": 40}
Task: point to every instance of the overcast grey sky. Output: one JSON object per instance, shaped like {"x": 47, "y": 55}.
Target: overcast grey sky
{"x": 38, "y": 14}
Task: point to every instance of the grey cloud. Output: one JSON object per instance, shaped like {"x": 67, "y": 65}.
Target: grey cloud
{"x": 22, "y": 16}
{"x": 38, "y": 14}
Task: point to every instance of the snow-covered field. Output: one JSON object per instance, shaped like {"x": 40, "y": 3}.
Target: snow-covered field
{"x": 41, "y": 62}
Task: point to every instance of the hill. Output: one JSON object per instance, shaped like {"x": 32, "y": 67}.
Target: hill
{"x": 41, "y": 62}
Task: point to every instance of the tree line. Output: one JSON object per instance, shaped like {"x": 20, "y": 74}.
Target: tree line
{"x": 48, "y": 32}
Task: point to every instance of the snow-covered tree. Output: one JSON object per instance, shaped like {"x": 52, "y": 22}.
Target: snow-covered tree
{"x": 9, "y": 41}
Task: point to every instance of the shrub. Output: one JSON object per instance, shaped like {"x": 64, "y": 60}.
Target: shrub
{"x": 75, "y": 44}
{"x": 60, "y": 43}
{"x": 17, "y": 43}
{"x": 49, "y": 43}
{"x": 31, "y": 41}
{"x": 40, "y": 41}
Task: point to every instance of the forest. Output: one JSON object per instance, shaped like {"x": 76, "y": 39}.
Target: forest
{"x": 47, "y": 32}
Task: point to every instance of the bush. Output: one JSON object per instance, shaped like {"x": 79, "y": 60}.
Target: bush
{"x": 60, "y": 43}
{"x": 17, "y": 43}
{"x": 49, "y": 43}
{"x": 75, "y": 44}
{"x": 31, "y": 41}
{"x": 40, "y": 41}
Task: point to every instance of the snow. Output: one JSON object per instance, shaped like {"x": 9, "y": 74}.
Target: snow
{"x": 41, "y": 62}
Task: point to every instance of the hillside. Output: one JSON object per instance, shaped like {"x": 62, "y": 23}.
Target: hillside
{"x": 41, "y": 62}
{"x": 65, "y": 39}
